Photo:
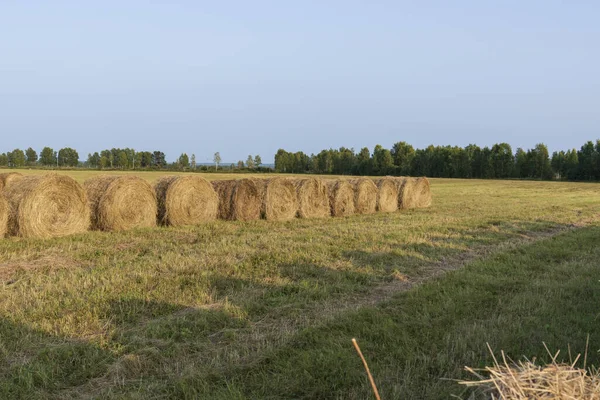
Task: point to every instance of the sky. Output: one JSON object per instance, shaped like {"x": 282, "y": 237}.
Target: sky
{"x": 250, "y": 77}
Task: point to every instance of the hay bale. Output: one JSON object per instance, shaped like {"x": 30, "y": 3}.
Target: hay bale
{"x": 47, "y": 205}
{"x": 120, "y": 203}
{"x": 239, "y": 200}
{"x": 313, "y": 200}
{"x": 185, "y": 200}
{"x": 280, "y": 202}
{"x": 341, "y": 198}
{"x": 3, "y": 216}
{"x": 365, "y": 196}
{"x": 422, "y": 192}
{"x": 387, "y": 195}
{"x": 8, "y": 177}
{"x": 406, "y": 193}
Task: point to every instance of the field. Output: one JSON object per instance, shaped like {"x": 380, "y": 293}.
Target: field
{"x": 252, "y": 310}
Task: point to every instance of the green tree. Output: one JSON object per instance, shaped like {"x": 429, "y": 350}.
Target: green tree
{"x": 48, "y": 156}
{"x": 122, "y": 160}
{"x": 93, "y": 160}
{"x": 158, "y": 159}
{"x": 217, "y": 160}
{"x": 571, "y": 165}
{"x": 240, "y": 164}
{"x": 183, "y": 161}
{"x": 557, "y": 163}
{"x": 193, "y": 161}
{"x": 257, "y": 161}
{"x": 68, "y": 157}
{"x": 3, "y": 160}
{"x": 403, "y": 154}
{"x": 540, "y": 160}
{"x": 31, "y": 155}
{"x": 16, "y": 158}
{"x": 250, "y": 162}
{"x": 521, "y": 164}
{"x": 502, "y": 160}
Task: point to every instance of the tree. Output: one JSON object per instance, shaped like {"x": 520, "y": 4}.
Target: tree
{"x": 123, "y": 161}
{"x": 521, "y": 164}
{"x": 383, "y": 162}
{"x": 158, "y": 159}
{"x": 250, "y": 162}
{"x": 364, "y": 164}
{"x": 93, "y": 160}
{"x": 557, "y": 163}
{"x": 240, "y": 164}
{"x": 217, "y": 160}
{"x": 193, "y": 161}
{"x": 16, "y": 158}
{"x": 104, "y": 162}
{"x": 31, "y": 155}
{"x": 68, "y": 157}
{"x": 502, "y": 160}
{"x": 3, "y": 160}
{"x": 183, "y": 161}
{"x": 47, "y": 156}
{"x": 257, "y": 161}
{"x": 571, "y": 165}
{"x": 540, "y": 162}
{"x": 403, "y": 154}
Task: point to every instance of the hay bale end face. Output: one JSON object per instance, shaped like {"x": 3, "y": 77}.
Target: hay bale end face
{"x": 121, "y": 202}
{"x": 3, "y": 216}
{"x": 185, "y": 200}
{"x": 46, "y": 206}
{"x": 387, "y": 195}
{"x": 406, "y": 193}
{"x": 423, "y": 192}
{"x": 313, "y": 199}
{"x": 8, "y": 177}
{"x": 341, "y": 198}
{"x": 239, "y": 200}
{"x": 365, "y": 196}
{"x": 280, "y": 202}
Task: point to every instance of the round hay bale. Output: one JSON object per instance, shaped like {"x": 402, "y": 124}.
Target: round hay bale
{"x": 423, "y": 192}
{"x": 313, "y": 200}
{"x": 8, "y": 177}
{"x": 280, "y": 202}
{"x": 365, "y": 196}
{"x": 341, "y": 198}
{"x": 120, "y": 203}
{"x": 387, "y": 195}
{"x": 406, "y": 193}
{"x": 239, "y": 200}
{"x": 185, "y": 200}
{"x": 47, "y": 205}
{"x": 3, "y": 216}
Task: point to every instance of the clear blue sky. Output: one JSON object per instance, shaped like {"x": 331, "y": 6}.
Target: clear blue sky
{"x": 248, "y": 77}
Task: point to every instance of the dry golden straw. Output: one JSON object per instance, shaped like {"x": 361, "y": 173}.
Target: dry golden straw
{"x": 46, "y": 206}
{"x": 371, "y": 380}
{"x": 7, "y": 178}
{"x": 341, "y": 198}
{"x": 423, "y": 192}
{"x": 313, "y": 201}
{"x": 120, "y": 203}
{"x": 525, "y": 380}
{"x": 239, "y": 200}
{"x": 280, "y": 202}
{"x": 185, "y": 200}
{"x": 407, "y": 197}
{"x": 3, "y": 216}
{"x": 365, "y": 196}
{"x": 387, "y": 195}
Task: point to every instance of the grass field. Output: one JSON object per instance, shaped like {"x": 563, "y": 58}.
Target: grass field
{"x": 263, "y": 309}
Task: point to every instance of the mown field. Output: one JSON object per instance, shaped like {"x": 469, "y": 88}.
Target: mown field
{"x": 253, "y": 310}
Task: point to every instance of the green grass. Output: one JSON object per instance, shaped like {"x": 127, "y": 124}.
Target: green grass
{"x": 267, "y": 310}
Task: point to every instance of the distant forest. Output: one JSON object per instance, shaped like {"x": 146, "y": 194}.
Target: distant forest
{"x": 472, "y": 161}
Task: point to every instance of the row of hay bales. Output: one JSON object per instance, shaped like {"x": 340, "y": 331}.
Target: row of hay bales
{"x": 56, "y": 205}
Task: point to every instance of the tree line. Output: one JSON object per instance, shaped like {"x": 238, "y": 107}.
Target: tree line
{"x": 115, "y": 158}
{"x": 472, "y": 161}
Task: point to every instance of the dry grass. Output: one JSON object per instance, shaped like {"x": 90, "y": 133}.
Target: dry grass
{"x": 341, "y": 198}
{"x": 313, "y": 201}
{"x": 526, "y": 380}
{"x": 239, "y": 200}
{"x": 46, "y": 206}
{"x": 186, "y": 200}
{"x": 3, "y": 215}
{"x": 280, "y": 202}
{"x": 7, "y": 177}
{"x": 120, "y": 203}
{"x": 365, "y": 196}
{"x": 387, "y": 195}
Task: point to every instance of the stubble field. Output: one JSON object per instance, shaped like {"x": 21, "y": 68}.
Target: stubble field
{"x": 250, "y": 310}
